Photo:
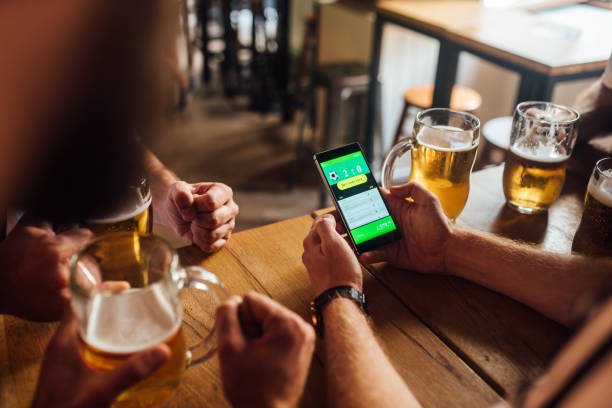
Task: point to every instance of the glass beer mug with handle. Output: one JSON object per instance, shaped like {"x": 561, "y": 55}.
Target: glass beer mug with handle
{"x": 594, "y": 234}
{"x": 541, "y": 142}
{"x": 125, "y": 291}
{"x": 443, "y": 148}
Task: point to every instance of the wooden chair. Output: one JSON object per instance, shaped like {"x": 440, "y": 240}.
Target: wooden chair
{"x": 462, "y": 99}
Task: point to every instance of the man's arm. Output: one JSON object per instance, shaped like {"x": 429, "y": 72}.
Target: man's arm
{"x": 160, "y": 180}
{"x": 550, "y": 283}
{"x": 357, "y": 371}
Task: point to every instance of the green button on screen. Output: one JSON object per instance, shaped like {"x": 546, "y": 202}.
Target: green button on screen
{"x": 373, "y": 230}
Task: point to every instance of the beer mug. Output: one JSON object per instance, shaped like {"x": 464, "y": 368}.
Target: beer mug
{"x": 443, "y": 148}
{"x": 125, "y": 291}
{"x": 594, "y": 234}
{"x": 133, "y": 212}
{"x": 542, "y": 139}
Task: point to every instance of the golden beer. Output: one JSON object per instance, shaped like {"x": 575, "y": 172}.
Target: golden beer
{"x": 132, "y": 320}
{"x": 154, "y": 389}
{"x": 594, "y": 235}
{"x": 532, "y": 182}
{"x": 442, "y": 161}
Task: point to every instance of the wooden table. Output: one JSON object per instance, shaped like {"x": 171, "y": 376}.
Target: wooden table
{"x": 454, "y": 343}
{"x": 542, "y": 49}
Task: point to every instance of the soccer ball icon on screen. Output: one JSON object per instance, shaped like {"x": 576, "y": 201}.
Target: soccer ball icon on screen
{"x": 333, "y": 175}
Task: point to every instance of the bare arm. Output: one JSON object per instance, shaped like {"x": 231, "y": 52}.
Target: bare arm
{"x": 550, "y": 283}
{"x": 160, "y": 179}
{"x": 358, "y": 372}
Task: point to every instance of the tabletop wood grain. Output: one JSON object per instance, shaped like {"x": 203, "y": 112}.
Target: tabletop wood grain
{"x": 453, "y": 342}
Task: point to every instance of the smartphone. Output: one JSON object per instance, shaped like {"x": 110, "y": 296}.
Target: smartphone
{"x": 352, "y": 186}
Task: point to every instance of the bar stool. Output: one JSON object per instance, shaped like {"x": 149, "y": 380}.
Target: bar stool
{"x": 495, "y": 142}
{"x": 347, "y": 85}
{"x": 344, "y": 83}
{"x": 462, "y": 99}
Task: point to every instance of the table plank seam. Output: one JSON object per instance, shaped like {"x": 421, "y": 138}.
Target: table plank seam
{"x": 264, "y": 290}
{"x": 497, "y": 388}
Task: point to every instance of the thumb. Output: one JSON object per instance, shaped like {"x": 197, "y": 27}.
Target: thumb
{"x": 182, "y": 198}
{"x": 325, "y": 226}
{"x": 378, "y": 255}
{"x": 413, "y": 190}
{"x": 138, "y": 367}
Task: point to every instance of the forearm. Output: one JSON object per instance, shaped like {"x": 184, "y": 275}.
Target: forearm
{"x": 550, "y": 283}
{"x": 358, "y": 371}
{"x": 160, "y": 179}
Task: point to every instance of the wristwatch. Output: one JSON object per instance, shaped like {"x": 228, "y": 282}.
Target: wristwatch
{"x": 319, "y": 303}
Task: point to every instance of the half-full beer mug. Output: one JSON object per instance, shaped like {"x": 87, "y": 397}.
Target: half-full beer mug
{"x": 125, "y": 291}
{"x": 542, "y": 139}
{"x": 443, "y": 147}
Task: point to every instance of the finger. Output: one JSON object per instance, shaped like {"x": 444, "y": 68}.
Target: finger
{"x": 114, "y": 287}
{"x": 229, "y": 332}
{"x": 183, "y": 200}
{"x": 212, "y": 235}
{"x": 312, "y": 240}
{"x": 262, "y": 307}
{"x": 250, "y": 326}
{"x": 413, "y": 190}
{"x": 138, "y": 367}
{"x": 217, "y": 195}
{"x": 73, "y": 240}
{"x": 218, "y": 217}
{"x": 339, "y": 223}
{"x": 375, "y": 256}
{"x": 325, "y": 226}
{"x": 207, "y": 246}
{"x": 36, "y": 226}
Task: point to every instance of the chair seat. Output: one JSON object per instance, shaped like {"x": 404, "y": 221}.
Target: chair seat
{"x": 497, "y": 132}
{"x": 462, "y": 98}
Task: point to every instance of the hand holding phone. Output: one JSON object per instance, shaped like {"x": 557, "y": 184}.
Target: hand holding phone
{"x": 362, "y": 208}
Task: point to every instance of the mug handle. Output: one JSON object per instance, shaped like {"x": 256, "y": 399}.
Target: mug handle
{"x": 199, "y": 278}
{"x": 389, "y": 163}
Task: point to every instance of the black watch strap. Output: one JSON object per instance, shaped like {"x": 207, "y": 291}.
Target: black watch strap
{"x": 318, "y": 304}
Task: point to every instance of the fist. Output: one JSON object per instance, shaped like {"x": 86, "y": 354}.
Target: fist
{"x": 34, "y": 270}
{"x": 203, "y": 213}
{"x": 329, "y": 258}
{"x": 264, "y": 352}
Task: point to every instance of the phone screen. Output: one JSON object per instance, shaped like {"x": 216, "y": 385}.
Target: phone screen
{"x": 358, "y": 199}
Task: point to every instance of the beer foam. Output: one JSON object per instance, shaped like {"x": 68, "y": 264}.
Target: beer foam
{"x": 130, "y": 208}
{"x": 446, "y": 138}
{"x": 542, "y": 153}
{"x": 132, "y": 321}
{"x": 602, "y": 191}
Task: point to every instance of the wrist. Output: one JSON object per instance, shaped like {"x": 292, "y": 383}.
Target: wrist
{"x": 336, "y": 283}
{"x": 457, "y": 248}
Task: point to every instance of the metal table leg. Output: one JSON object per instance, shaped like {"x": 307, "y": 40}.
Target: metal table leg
{"x": 446, "y": 72}
{"x": 373, "y": 91}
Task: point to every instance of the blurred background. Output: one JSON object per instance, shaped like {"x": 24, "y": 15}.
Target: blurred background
{"x": 261, "y": 85}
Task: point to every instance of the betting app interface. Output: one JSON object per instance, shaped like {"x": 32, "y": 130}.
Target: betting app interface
{"x": 356, "y": 192}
